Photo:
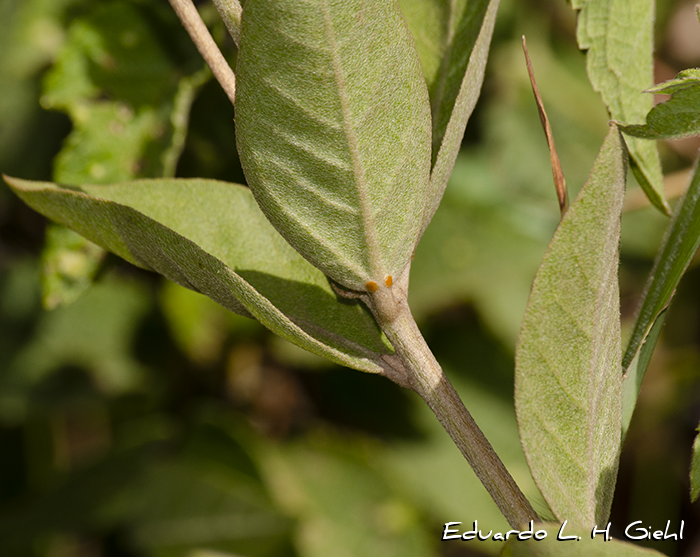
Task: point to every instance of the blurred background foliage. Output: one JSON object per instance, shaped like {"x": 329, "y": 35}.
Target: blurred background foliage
{"x": 140, "y": 419}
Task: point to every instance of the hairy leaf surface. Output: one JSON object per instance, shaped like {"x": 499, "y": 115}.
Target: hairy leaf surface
{"x": 677, "y": 117}
{"x": 333, "y": 128}
{"x": 568, "y": 375}
{"x": 452, "y": 39}
{"x": 677, "y": 251}
{"x": 211, "y": 237}
{"x": 619, "y": 38}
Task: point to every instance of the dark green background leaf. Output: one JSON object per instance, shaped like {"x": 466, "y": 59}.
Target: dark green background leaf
{"x": 453, "y": 41}
{"x": 677, "y": 117}
{"x": 113, "y": 73}
{"x": 674, "y": 256}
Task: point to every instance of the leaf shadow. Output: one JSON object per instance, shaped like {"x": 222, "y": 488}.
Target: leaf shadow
{"x": 312, "y": 307}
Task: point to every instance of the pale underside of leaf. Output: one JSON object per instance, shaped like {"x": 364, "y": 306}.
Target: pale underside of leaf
{"x": 568, "y": 372}
{"x": 332, "y": 122}
{"x": 239, "y": 260}
{"x": 618, "y": 37}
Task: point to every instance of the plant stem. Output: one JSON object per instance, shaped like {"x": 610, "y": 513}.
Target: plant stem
{"x": 190, "y": 18}
{"x": 429, "y": 381}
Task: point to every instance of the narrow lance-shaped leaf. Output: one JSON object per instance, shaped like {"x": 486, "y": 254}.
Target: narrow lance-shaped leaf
{"x": 211, "y": 237}
{"x": 677, "y": 251}
{"x": 453, "y": 40}
{"x": 568, "y": 375}
{"x": 679, "y": 116}
{"x": 619, "y": 38}
{"x": 333, "y": 129}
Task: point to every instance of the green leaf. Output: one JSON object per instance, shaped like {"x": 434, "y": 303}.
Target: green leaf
{"x": 69, "y": 263}
{"x": 346, "y": 507}
{"x": 619, "y": 40}
{"x": 198, "y": 325}
{"x": 129, "y": 105}
{"x": 127, "y": 99}
{"x": 190, "y": 502}
{"x": 695, "y": 470}
{"x": 95, "y": 333}
{"x": 677, "y": 251}
{"x": 677, "y": 117}
{"x": 333, "y": 129}
{"x": 583, "y": 547}
{"x": 453, "y": 40}
{"x": 211, "y": 237}
{"x": 31, "y": 37}
{"x": 197, "y": 491}
{"x": 686, "y": 79}
{"x": 568, "y": 376}
{"x": 634, "y": 373}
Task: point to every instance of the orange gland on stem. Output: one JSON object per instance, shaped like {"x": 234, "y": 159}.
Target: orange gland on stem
{"x": 371, "y": 286}
{"x": 388, "y": 281}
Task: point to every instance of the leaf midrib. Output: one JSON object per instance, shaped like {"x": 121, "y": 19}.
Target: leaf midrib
{"x": 360, "y": 181}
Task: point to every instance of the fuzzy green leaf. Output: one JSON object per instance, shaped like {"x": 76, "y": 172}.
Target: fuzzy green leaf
{"x": 684, "y": 80}
{"x": 583, "y": 547}
{"x": 619, "y": 39}
{"x": 452, "y": 39}
{"x": 211, "y": 237}
{"x": 677, "y": 251}
{"x": 677, "y": 117}
{"x": 568, "y": 376}
{"x": 333, "y": 129}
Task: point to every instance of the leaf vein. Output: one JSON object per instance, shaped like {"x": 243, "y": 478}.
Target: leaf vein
{"x": 308, "y": 186}
{"x": 311, "y": 114}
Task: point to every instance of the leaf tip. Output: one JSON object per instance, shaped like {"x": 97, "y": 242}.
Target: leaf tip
{"x": 10, "y": 181}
